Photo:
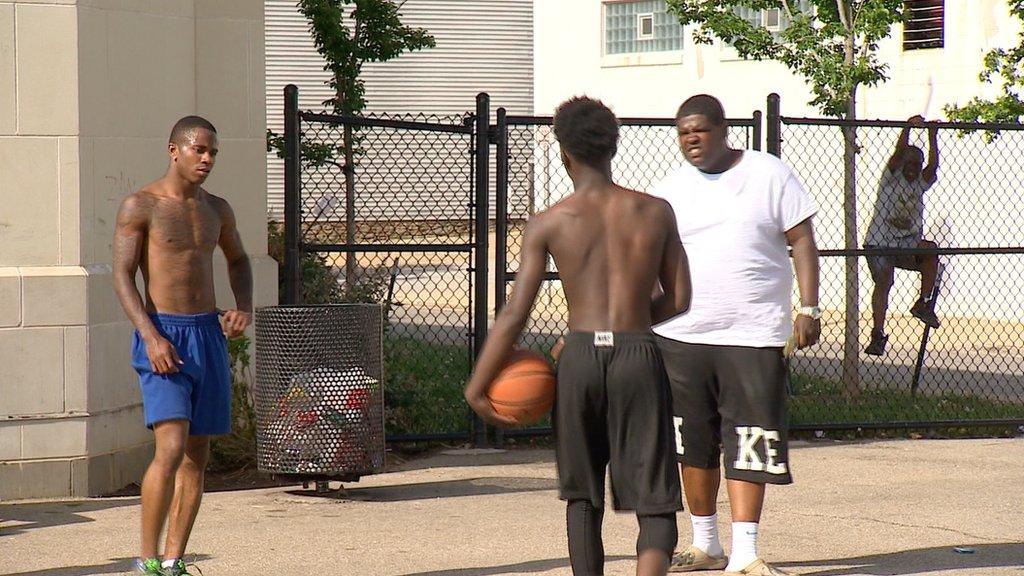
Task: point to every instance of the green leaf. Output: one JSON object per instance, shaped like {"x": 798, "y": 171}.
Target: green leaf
{"x": 1004, "y": 66}
{"x": 349, "y": 33}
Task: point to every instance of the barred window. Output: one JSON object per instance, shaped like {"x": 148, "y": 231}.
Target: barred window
{"x": 925, "y": 24}
{"x": 641, "y": 26}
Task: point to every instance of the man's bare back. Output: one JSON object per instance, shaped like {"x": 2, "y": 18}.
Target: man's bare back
{"x": 610, "y": 245}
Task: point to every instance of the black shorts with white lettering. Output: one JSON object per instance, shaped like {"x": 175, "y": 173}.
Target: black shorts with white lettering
{"x": 730, "y": 398}
{"x": 613, "y": 412}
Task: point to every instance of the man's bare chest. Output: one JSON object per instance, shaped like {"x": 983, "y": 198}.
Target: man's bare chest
{"x": 178, "y": 227}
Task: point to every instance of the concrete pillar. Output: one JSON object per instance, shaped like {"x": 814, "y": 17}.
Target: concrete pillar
{"x": 89, "y": 90}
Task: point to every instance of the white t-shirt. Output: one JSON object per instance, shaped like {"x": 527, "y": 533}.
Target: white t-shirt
{"x": 733, "y": 227}
{"x": 899, "y": 210}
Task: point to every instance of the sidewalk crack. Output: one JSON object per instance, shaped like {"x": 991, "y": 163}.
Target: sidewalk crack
{"x": 904, "y": 525}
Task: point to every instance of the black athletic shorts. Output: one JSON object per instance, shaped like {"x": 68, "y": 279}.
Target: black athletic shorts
{"x": 613, "y": 410}
{"x": 730, "y": 398}
{"x": 881, "y": 266}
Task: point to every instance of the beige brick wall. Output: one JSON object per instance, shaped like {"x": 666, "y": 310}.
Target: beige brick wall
{"x": 88, "y": 92}
{"x": 8, "y": 70}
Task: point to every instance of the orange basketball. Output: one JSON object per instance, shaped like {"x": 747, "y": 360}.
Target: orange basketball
{"x": 524, "y": 389}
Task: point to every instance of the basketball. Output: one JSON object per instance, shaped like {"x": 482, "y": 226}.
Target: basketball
{"x": 524, "y": 389}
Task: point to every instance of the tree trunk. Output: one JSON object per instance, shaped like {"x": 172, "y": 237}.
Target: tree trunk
{"x": 340, "y": 107}
{"x": 350, "y": 210}
{"x": 851, "y": 332}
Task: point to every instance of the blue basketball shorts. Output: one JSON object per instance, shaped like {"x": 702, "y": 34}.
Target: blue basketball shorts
{"x": 200, "y": 391}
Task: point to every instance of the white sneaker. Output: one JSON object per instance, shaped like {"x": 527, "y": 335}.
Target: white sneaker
{"x": 694, "y": 558}
{"x": 761, "y": 568}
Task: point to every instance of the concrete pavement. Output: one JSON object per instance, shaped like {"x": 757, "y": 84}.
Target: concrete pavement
{"x": 865, "y": 508}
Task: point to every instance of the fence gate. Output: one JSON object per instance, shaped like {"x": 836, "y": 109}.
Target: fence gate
{"x": 386, "y": 210}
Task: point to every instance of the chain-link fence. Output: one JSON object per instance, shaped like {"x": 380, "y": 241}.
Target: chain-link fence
{"x": 648, "y": 151}
{"x": 408, "y": 219}
{"x": 532, "y": 178}
{"x": 969, "y": 370}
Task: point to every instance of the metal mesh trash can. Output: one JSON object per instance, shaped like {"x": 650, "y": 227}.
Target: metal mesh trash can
{"x": 319, "y": 391}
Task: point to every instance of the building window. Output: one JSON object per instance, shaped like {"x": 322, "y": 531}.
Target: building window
{"x": 640, "y": 26}
{"x": 645, "y": 27}
{"x": 924, "y": 27}
{"x": 775, "y": 20}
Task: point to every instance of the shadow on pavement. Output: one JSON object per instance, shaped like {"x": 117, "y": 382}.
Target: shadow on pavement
{"x": 432, "y": 490}
{"x": 531, "y": 566}
{"x": 48, "y": 514}
{"x": 115, "y": 566}
{"x": 938, "y": 560}
{"x": 470, "y": 457}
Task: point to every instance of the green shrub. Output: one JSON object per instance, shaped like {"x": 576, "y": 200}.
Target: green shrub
{"x": 423, "y": 386}
{"x": 238, "y": 449}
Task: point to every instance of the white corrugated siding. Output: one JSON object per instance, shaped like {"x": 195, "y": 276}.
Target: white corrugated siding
{"x": 482, "y": 46}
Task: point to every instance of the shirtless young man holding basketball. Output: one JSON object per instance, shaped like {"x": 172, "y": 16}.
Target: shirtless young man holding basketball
{"x": 613, "y": 407}
{"x": 170, "y": 228}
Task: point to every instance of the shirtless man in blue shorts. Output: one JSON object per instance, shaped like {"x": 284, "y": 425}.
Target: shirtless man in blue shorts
{"x": 169, "y": 229}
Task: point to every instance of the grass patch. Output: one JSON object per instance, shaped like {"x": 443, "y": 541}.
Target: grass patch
{"x": 818, "y": 400}
{"x": 424, "y": 387}
{"x": 424, "y": 383}
{"x": 423, "y": 390}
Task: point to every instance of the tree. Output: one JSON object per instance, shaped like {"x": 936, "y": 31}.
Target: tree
{"x": 348, "y": 34}
{"x": 833, "y": 44}
{"x": 372, "y": 31}
{"x": 1007, "y": 66}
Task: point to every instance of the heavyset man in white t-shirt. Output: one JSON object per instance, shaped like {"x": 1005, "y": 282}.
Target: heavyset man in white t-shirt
{"x": 737, "y": 212}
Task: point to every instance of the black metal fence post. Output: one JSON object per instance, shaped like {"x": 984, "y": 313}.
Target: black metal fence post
{"x": 481, "y": 254}
{"x": 501, "y": 211}
{"x": 292, "y": 192}
{"x": 773, "y": 131}
{"x": 756, "y": 130}
{"x": 500, "y": 223}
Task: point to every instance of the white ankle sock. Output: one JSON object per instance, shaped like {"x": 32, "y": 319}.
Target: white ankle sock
{"x": 169, "y": 563}
{"x": 744, "y": 546}
{"x": 705, "y": 534}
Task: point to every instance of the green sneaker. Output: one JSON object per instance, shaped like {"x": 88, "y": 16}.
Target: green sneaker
{"x": 180, "y": 569}
{"x": 149, "y": 567}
